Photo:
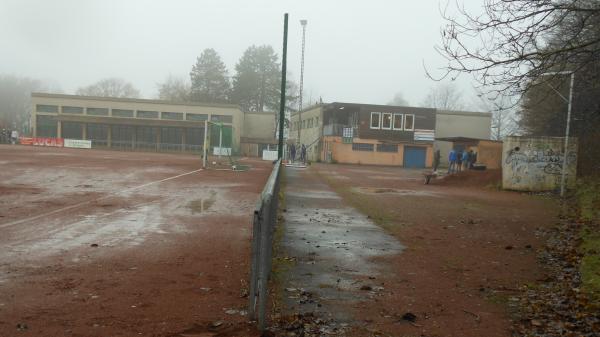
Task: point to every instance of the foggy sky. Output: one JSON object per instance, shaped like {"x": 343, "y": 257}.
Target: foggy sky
{"x": 356, "y": 50}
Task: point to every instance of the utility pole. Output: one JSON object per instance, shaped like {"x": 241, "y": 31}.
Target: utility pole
{"x": 303, "y": 23}
{"x": 569, "y": 101}
{"x": 283, "y": 82}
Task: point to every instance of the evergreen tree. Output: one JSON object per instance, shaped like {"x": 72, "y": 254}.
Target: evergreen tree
{"x": 256, "y": 85}
{"x": 209, "y": 78}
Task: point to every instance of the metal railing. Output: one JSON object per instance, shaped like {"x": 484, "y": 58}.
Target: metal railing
{"x": 263, "y": 228}
{"x": 145, "y": 146}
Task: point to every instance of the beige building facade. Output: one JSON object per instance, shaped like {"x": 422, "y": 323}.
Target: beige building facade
{"x": 128, "y": 123}
{"x": 469, "y": 124}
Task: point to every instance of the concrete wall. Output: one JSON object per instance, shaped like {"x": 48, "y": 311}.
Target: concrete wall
{"x": 535, "y": 164}
{"x": 259, "y": 125}
{"x": 308, "y": 135}
{"x": 343, "y": 153}
{"x": 137, "y": 104}
{"x": 460, "y": 124}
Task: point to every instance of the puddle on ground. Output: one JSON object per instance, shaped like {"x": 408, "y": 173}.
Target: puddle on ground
{"x": 391, "y": 178}
{"x": 312, "y": 194}
{"x": 384, "y": 190}
{"x": 202, "y": 205}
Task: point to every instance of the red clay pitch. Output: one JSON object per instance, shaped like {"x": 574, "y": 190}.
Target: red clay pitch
{"x": 106, "y": 243}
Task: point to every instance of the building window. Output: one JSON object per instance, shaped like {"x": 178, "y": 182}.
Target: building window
{"x": 409, "y": 122}
{"x": 375, "y": 120}
{"x": 97, "y": 111}
{"x": 221, "y": 118}
{"x": 386, "y": 121}
{"x": 398, "y": 121}
{"x": 176, "y": 116}
{"x": 304, "y": 124}
{"x": 147, "y": 114}
{"x": 74, "y": 110}
{"x": 316, "y": 121}
{"x": 196, "y": 117}
{"x": 122, "y": 113}
{"x": 362, "y": 147}
{"x": 47, "y": 108}
{"x": 46, "y": 126}
{"x": 387, "y": 148}
{"x": 72, "y": 130}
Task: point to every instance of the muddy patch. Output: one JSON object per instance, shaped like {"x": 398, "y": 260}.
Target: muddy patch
{"x": 202, "y": 205}
{"x": 383, "y": 190}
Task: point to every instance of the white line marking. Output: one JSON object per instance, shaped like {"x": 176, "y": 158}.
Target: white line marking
{"x": 16, "y": 222}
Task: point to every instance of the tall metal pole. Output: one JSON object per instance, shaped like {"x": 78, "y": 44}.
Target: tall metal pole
{"x": 220, "y": 139}
{"x": 303, "y": 23}
{"x": 566, "y": 151}
{"x": 283, "y": 82}
{"x": 204, "y": 145}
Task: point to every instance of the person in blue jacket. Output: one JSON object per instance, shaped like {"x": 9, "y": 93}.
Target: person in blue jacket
{"x": 452, "y": 161}
{"x": 466, "y": 160}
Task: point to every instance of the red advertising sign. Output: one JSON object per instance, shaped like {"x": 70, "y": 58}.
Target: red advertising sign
{"x": 55, "y": 142}
{"x": 25, "y": 140}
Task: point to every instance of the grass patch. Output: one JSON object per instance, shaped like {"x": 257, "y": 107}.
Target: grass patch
{"x": 587, "y": 198}
{"x": 280, "y": 263}
{"x": 590, "y": 262}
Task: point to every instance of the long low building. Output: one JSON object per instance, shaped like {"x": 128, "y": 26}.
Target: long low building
{"x": 128, "y": 123}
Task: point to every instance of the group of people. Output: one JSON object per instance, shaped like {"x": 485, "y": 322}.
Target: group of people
{"x": 9, "y": 136}
{"x": 301, "y": 150}
{"x": 461, "y": 160}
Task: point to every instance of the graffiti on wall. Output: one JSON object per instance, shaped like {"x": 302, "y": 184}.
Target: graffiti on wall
{"x": 537, "y": 166}
{"x": 549, "y": 160}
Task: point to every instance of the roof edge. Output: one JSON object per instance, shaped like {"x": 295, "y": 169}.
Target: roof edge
{"x": 133, "y": 100}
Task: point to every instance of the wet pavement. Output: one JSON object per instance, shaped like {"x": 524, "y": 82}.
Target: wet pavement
{"x": 333, "y": 246}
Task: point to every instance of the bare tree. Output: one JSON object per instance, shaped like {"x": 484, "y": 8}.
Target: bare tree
{"x": 15, "y": 100}
{"x": 505, "y": 121}
{"x": 444, "y": 97}
{"x": 175, "y": 89}
{"x": 398, "y": 100}
{"x": 110, "y": 87}
{"x": 514, "y": 41}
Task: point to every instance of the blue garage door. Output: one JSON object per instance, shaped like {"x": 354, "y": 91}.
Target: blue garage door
{"x": 414, "y": 157}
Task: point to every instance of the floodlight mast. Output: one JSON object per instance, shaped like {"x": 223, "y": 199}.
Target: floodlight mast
{"x": 569, "y": 107}
{"x": 303, "y": 23}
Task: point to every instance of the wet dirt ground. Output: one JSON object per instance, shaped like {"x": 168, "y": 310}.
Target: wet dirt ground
{"x": 106, "y": 243}
{"x": 461, "y": 250}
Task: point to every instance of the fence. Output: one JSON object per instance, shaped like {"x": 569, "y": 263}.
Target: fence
{"x": 263, "y": 227}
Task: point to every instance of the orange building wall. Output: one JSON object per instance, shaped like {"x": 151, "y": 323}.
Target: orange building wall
{"x": 343, "y": 153}
{"x": 490, "y": 154}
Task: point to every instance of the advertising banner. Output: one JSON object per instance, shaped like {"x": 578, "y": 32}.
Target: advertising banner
{"x": 78, "y": 143}
{"x": 53, "y": 142}
{"x": 424, "y": 135}
{"x": 25, "y": 140}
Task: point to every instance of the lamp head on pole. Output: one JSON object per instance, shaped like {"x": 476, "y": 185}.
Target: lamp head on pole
{"x": 303, "y": 22}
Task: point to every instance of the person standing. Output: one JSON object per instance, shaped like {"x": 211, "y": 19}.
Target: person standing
{"x": 436, "y": 160}
{"x": 459, "y": 161}
{"x": 303, "y": 154}
{"x": 466, "y": 160}
{"x": 452, "y": 161}
{"x": 293, "y": 152}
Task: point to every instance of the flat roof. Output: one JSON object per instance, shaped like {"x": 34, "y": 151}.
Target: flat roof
{"x": 132, "y": 100}
{"x": 465, "y": 139}
{"x": 463, "y": 113}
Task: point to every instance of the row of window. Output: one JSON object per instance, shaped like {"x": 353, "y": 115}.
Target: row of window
{"x": 371, "y": 147}
{"x": 306, "y": 123}
{"x": 176, "y": 116}
{"x": 392, "y": 121}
